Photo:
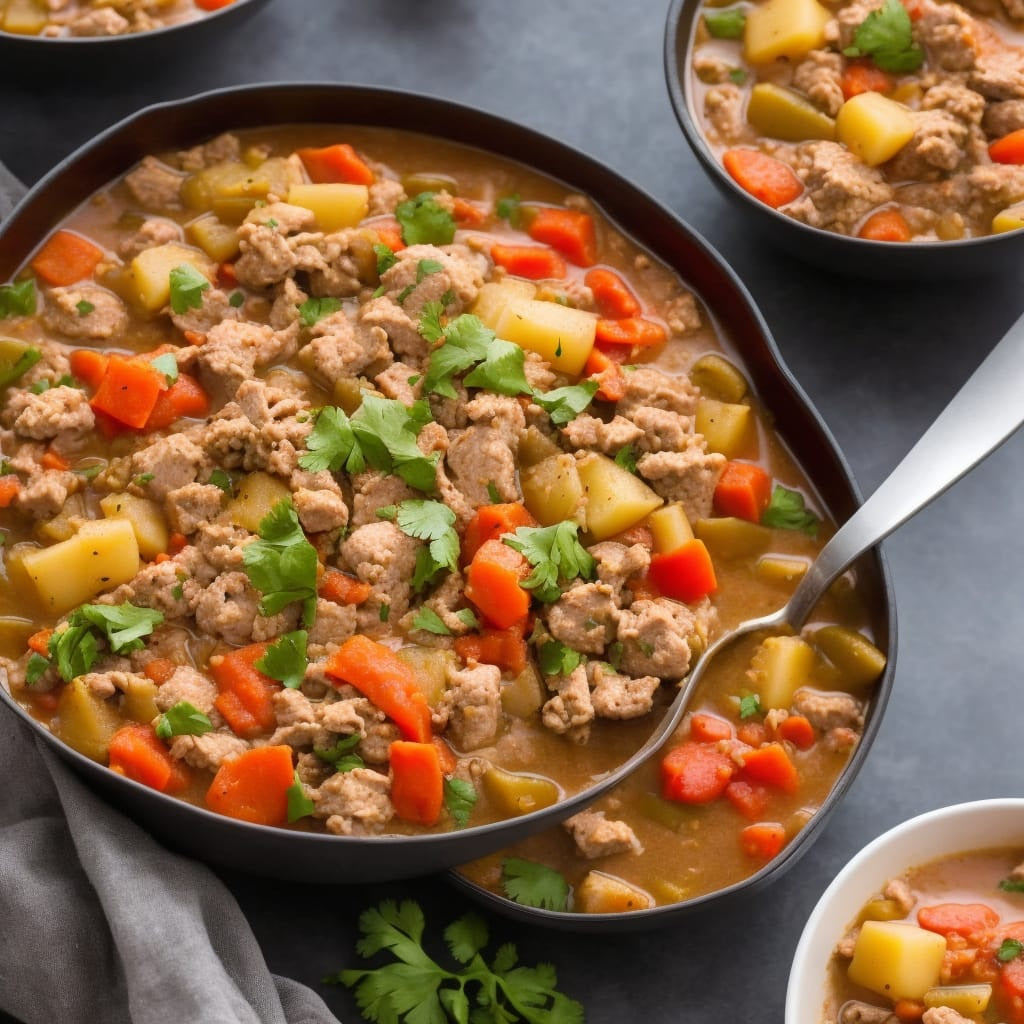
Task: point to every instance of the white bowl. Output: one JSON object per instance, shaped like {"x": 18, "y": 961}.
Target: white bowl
{"x": 978, "y": 825}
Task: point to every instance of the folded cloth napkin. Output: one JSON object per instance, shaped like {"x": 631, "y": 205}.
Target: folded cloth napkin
{"x": 99, "y": 924}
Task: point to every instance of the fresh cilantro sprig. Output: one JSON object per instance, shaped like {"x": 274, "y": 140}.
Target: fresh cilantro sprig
{"x": 315, "y": 309}
{"x": 424, "y": 221}
{"x": 434, "y": 522}
{"x": 533, "y": 884}
{"x": 386, "y": 431}
{"x": 460, "y": 798}
{"x": 299, "y": 805}
{"x": 726, "y": 24}
{"x": 14, "y": 371}
{"x": 167, "y": 365}
{"x": 18, "y": 299}
{"x": 556, "y": 659}
{"x": 1012, "y": 885}
{"x": 341, "y": 755}
{"x": 565, "y": 404}
{"x": 626, "y": 458}
{"x": 285, "y": 660}
{"x": 331, "y": 444}
{"x": 430, "y": 622}
{"x": 386, "y": 258}
{"x": 123, "y": 626}
{"x": 886, "y": 36}
{"x": 182, "y": 719}
{"x": 187, "y": 287}
{"x": 750, "y": 706}
{"x": 282, "y": 564}
{"x": 1009, "y": 949}
{"x": 788, "y": 511}
{"x": 555, "y": 553}
{"x": 416, "y": 989}
{"x": 36, "y": 667}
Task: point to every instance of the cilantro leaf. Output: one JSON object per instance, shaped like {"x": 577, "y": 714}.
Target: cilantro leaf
{"x": 1009, "y": 949}
{"x": 885, "y": 36}
{"x": 84, "y": 307}
{"x": 285, "y": 660}
{"x": 750, "y": 705}
{"x": 430, "y": 321}
{"x": 508, "y": 208}
{"x": 787, "y": 511}
{"x": 341, "y": 755}
{"x": 386, "y": 258}
{"x": 501, "y": 371}
{"x": 425, "y": 221}
{"x": 468, "y": 618}
{"x": 555, "y": 553}
{"x": 187, "y": 287}
{"x": 11, "y": 372}
{"x": 219, "y": 478}
{"x": 726, "y": 24}
{"x": 182, "y": 719}
{"x": 737, "y": 75}
{"x": 427, "y": 267}
{"x": 299, "y": 805}
{"x": 626, "y": 458}
{"x": 427, "y": 619}
{"x": 18, "y": 299}
{"x": 465, "y": 342}
{"x": 236, "y": 299}
{"x": 37, "y": 665}
{"x": 1012, "y": 885}
{"x": 282, "y": 564}
{"x": 76, "y": 648}
{"x": 434, "y": 522}
{"x": 167, "y": 365}
{"x": 386, "y": 431}
{"x": 314, "y": 309}
{"x": 331, "y": 444}
{"x": 565, "y": 404}
{"x": 460, "y": 798}
{"x": 533, "y": 884}
{"x": 556, "y": 659}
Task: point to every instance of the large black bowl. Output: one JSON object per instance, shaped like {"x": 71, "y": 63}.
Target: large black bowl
{"x": 971, "y": 257}
{"x": 312, "y": 857}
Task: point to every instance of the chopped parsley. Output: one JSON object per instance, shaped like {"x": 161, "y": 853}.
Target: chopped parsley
{"x": 508, "y": 208}
{"x": 219, "y": 478}
{"x": 385, "y": 612}
{"x": 434, "y": 522}
{"x": 122, "y": 625}
{"x": 427, "y": 267}
{"x": 555, "y": 553}
{"x": 285, "y": 660}
{"x": 787, "y": 511}
{"x": 183, "y": 719}
{"x": 556, "y": 659}
{"x": 726, "y": 24}
{"x": 84, "y": 307}
{"x": 565, "y": 404}
{"x": 427, "y": 619}
{"x": 885, "y": 36}
{"x": 533, "y": 884}
{"x": 18, "y": 299}
{"x": 341, "y": 755}
{"x": 460, "y": 798}
{"x": 315, "y": 309}
{"x": 492, "y": 493}
{"x": 405, "y": 293}
{"x": 178, "y": 591}
{"x": 425, "y": 221}
{"x": 14, "y": 371}
{"x": 167, "y": 365}
{"x": 187, "y": 287}
{"x": 142, "y": 479}
{"x": 750, "y": 706}
{"x": 36, "y": 667}
{"x": 386, "y": 431}
{"x": 299, "y": 805}
{"x": 1009, "y": 949}
{"x": 1012, "y": 885}
{"x": 386, "y": 259}
{"x": 626, "y": 458}
{"x": 737, "y": 75}
{"x": 236, "y": 299}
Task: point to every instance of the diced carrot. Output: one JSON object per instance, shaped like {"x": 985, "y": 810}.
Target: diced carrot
{"x": 505, "y": 648}
{"x": 254, "y": 786}
{"x": 686, "y": 574}
{"x": 642, "y": 588}
{"x": 47, "y": 702}
{"x": 128, "y": 391}
{"x": 160, "y": 557}
{"x": 1009, "y": 149}
{"x": 707, "y": 728}
{"x": 341, "y": 588}
{"x": 176, "y": 542}
{"x": 54, "y": 460}
{"x": 40, "y": 642}
{"x": 385, "y": 679}
{"x": 532, "y": 261}
{"x": 695, "y": 773}
{"x": 449, "y": 762}
{"x": 88, "y": 366}
{"x": 915, "y": 8}
{"x": 417, "y": 785}
{"x": 957, "y": 918}
{"x": 771, "y": 765}
{"x": 639, "y": 533}
{"x": 389, "y": 232}
{"x": 246, "y": 694}
{"x": 908, "y": 1010}
{"x": 750, "y": 799}
{"x": 864, "y": 76}
{"x": 160, "y": 670}
{"x": 10, "y": 485}
{"x": 958, "y": 963}
{"x": 66, "y": 258}
{"x": 570, "y": 232}
{"x": 1011, "y": 990}
{"x": 612, "y": 296}
{"x": 213, "y": 5}
{"x": 138, "y": 753}
{"x": 753, "y": 734}
{"x": 493, "y": 584}
{"x": 797, "y": 729}
{"x": 185, "y": 397}
{"x": 468, "y": 214}
{"x": 633, "y": 330}
{"x": 608, "y": 372}
{"x": 763, "y": 840}
{"x": 744, "y": 490}
{"x": 489, "y": 522}
{"x": 226, "y": 278}
{"x": 194, "y": 337}
{"x": 765, "y": 178}
{"x": 888, "y": 225}
{"x": 339, "y": 162}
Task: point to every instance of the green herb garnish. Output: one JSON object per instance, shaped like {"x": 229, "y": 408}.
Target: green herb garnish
{"x": 565, "y": 404}
{"x": 626, "y": 458}
{"x": 787, "y": 511}
{"x": 84, "y": 307}
{"x": 556, "y": 659}
{"x": 750, "y": 705}
{"x": 18, "y": 299}
{"x": 167, "y": 365}
{"x": 427, "y": 619}
{"x": 386, "y": 259}
{"x": 36, "y": 667}
{"x": 886, "y": 36}
{"x": 285, "y": 660}
{"x": 555, "y": 554}
{"x": 341, "y": 755}
{"x": 183, "y": 719}
{"x": 508, "y": 208}
{"x": 726, "y": 24}
{"x": 460, "y": 798}
{"x": 122, "y": 625}
{"x": 14, "y": 371}
{"x": 533, "y": 884}
{"x": 1009, "y": 949}
{"x": 315, "y": 309}
{"x": 299, "y": 805}
{"x": 425, "y": 221}
{"x": 187, "y": 287}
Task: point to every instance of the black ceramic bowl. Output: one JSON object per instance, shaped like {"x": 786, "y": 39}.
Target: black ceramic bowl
{"x": 1001, "y": 253}
{"x": 313, "y": 857}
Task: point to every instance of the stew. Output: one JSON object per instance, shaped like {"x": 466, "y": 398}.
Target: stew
{"x": 361, "y": 482}
{"x": 82, "y": 18}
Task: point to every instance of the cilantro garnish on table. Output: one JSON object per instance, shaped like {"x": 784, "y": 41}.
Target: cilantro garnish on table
{"x": 416, "y": 989}
{"x": 886, "y": 36}
{"x": 555, "y": 553}
{"x": 18, "y": 299}
{"x": 76, "y": 648}
{"x": 434, "y": 522}
{"x": 533, "y": 884}
{"x": 285, "y": 660}
{"x": 425, "y": 221}
{"x": 182, "y": 719}
{"x": 187, "y": 287}
{"x": 788, "y": 511}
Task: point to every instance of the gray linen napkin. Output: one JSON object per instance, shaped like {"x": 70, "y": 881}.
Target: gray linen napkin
{"x": 99, "y": 924}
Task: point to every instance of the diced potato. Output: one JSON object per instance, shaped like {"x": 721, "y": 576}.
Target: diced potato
{"x": 717, "y": 378}
{"x": 563, "y": 336}
{"x": 257, "y": 494}
{"x": 336, "y": 205}
{"x": 524, "y": 695}
{"x": 728, "y": 427}
{"x": 146, "y": 517}
{"x": 600, "y": 893}
{"x": 616, "y": 500}
{"x": 513, "y": 794}
{"x": 873, "y": 127}
{"x": 431, "y": 667}
{"x": 784, "y": 28}
{"x": 149, "y": 284}
{"x": 775, "y": 569}
{"x": 669, "y": 892}
{"x": 731, "y": 537}
{"x": 670, "y": 528}
{"x": 553, "y": 490}
{"x": 858, "y": 660}
{"x": 779, "y": 667}
{"x": 535, "y": 447}
{"x": 967, "y": 1000}
{"x": 896, "y": 959}
{"x": 1008, "y": 220}
{"x": 232, "y": 188}
{"x": 140, "y": 699}
{"x": 25, "y": 17}
{"x": 86, "y": 722}
{"x": 11, "y": 350}
{"x": 218, "y": 240}
{"x": 102, "y": 555}
{"x": 65, "y": 523}
{"x": 882, "y": 910}
{"x": 781, "y": 113}
{"x": 494, "y": 296}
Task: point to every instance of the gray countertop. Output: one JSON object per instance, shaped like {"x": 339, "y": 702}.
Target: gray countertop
{"x": 880, "y": 359}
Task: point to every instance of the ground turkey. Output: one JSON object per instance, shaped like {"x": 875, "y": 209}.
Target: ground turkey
{"x": 570, "y": 712}
{"x": 85, "y": 311}
{"x": 656, "y": 638}
{"x": 618, "y": 696}
{"x": 595, "y": 836}
{"x": 471, "y": 706}
{"x": 154, "y": 185}
{"x": 354, "y": 803}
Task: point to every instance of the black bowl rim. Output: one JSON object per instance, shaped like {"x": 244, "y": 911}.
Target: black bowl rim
{"x": 131, "y": 132}
{"x": 681, "y": 19}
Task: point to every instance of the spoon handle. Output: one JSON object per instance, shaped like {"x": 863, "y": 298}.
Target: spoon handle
{"x": 983, "y": 414}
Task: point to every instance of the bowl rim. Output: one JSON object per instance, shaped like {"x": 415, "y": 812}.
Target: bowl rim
{"x": 930, "y": 836}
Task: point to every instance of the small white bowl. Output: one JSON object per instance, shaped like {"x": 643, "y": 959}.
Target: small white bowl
{"x": 979, "y": 825}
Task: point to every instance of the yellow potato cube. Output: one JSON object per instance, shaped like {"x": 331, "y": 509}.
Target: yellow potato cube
{"x": 24, "y": 17}
{"x": 727, "y": 427}
{"x": 257, "y": 495}
{"x": 784, "y": 114}
{"x": 494, "y": 296}
{"x": 967, "y": 1000}
{"x": 146, "y": 517}
{"x": 563, "y": 336}
{"x": 1008, "y": 220}
{"x": 600, "y": 893}
{"x": 552, "y": 490}
{"x": 779, "y": 570}
{"x": 149, "y": 284}
{"x": 670, "y": 528}
{"x": 140, "y": 699}
{"x": 784, "y": 28}
{"x": 779, "y": 667}
{"x": 513, "y": 793}
{"x": 873, "y": 127}
{"x": 616, "y": 500}
{"x": 732, "y": 537}
{"x": 86, "y": 722}
{"x": 896, "y": 959}
{"x": 336, "y": 205}
{"x": 219, "y": 241}
{"x": 523, "y": 696}
{"x": 718, "y": 378}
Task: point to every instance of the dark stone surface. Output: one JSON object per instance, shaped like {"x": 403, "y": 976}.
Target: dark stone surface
{"x": 880, "y": 360}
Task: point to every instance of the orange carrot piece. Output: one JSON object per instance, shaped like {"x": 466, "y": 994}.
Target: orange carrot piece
{"x": 888, "y": 225}
{"x": 185, "y": 397}
{"x": 176, "y": 542}
{"x": 417, "y": 784}
{"x": 797, "y": 729}
{"x": 254, "y": 786}
{"x": 138, "y": 753}
{"x": 531, "y": 261}
{"x": 389, "y": 233}
{"x": 864, "y": 76}
{"x": 493, "y": 584}
{"x": 40, "y": 642}
{"x": 569, "y": 232}
{"x": 66, "y": 258}
{"x": 763, "y": 840}
{"x": 468, "y": 214}
{"x": 608, "y": 372}
{"x": 633, "y": 330}
{"x": 1011, "y": 990}
{"x": 194, "y": 337}
{"x": 390, "y": 683}
{"x": 128, "y": 391}
{"x": 490, "y": 522}
{"x": 1009, "y": 149}
{"x": 765, "y": 178}
{"x": 246, "y": 694}
{"x": 505, "y": 648}
{"x": 10, "y": 485}
{"x": 695, "y": 773}
{"x": 908, "y": 1010}
{"x": 88, "y": 366}
{"x": 686, "y": 574}
{"x": 744, "y": 490}
{"x": 957, "y": 918}
{"x": 160, "y": 670}
{"x": 750, "y": 799}
{"x": 771, "y": 765}
{"x": 612, "y": 296}
{"x": 54, "y": 460}
{"x": 339, "y": 162}
{"x": 449, "y": 762}
{"x": 341, "y": 588}
{"x": 213, "y": 5}
{"x": 707, "y": 728}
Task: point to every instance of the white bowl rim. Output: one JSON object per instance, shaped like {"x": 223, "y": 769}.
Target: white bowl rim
{"x": 979, "y": 824}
